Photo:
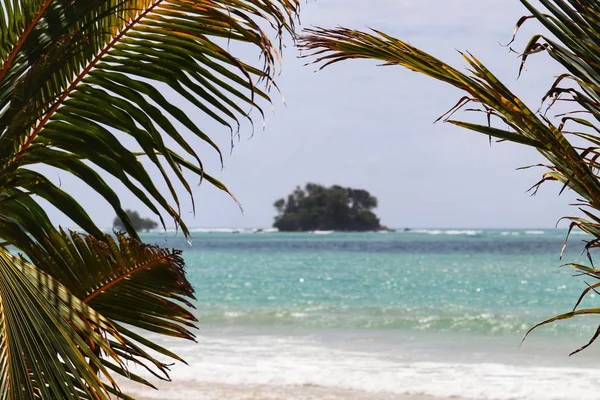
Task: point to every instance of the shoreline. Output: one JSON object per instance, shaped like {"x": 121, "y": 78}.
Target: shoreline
{"x": 217, "y": 391}
{"x": 258, "y": 367}
{"x": 437, "y": 315}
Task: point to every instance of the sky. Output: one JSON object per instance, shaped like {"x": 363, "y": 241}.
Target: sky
{"x": 356, "y": 124}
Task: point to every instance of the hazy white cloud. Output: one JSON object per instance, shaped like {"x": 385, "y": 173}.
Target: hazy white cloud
{"x": 417, "y": 15}
{"x": 359, "y": 125}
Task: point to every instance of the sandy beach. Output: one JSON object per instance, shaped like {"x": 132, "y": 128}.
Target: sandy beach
{"x": 272, "y": 392}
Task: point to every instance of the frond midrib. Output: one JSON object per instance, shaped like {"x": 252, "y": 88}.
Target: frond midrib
{"x": 149, "y": 264}
{"x": 15, "y": 50}
{"x": 84, "y": 72}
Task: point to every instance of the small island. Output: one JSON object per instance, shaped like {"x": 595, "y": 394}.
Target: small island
{"x": 320, "y": 208}
{"x": 138, "y": 223}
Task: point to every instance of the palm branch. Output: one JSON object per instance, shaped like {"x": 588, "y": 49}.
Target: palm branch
{"x": 78, "y": 80}
{"x": 573, "y": 40}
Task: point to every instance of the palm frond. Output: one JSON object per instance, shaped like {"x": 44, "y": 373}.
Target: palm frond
{"x": 574, "y": 43}
{"x": 78, "y": 80}
{"x": 46, "y": 334}
{"x": 127, "y": 282}
{"x": 93, "y": 78}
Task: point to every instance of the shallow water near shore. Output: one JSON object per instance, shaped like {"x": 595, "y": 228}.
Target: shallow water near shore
{"x": 419, "y": 314}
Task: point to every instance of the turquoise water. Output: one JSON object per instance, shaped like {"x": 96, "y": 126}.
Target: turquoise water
{"x": 356, "y": 311}
{"x": 477, "y": 281}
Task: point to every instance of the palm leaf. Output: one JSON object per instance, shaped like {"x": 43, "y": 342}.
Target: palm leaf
{"x": 574, "y": 42}
{"x": 76, "y": 78}
{"x": 96, "y": 73}
{"x": 128, "y": 282}
{"x": 45, "y": 333}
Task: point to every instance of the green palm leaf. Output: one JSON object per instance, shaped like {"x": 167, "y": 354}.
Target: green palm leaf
{"x": 128, "y": 282}
{"x": 46, "y": 334}
{"x": 574, "y": 42}
{"x": 95, "y": 75}
{"x": 76, "y": 79}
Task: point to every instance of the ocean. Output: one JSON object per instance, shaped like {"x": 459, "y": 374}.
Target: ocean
{"x": 423, "y": 314}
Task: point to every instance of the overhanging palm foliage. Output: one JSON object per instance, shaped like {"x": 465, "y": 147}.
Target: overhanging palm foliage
{"x": 76, "y": 77}
{"x": 572, "y": 154}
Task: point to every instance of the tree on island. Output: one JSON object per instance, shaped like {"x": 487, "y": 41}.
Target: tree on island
{"x": 138, "y": 223}
{"x": 317, "y": 207}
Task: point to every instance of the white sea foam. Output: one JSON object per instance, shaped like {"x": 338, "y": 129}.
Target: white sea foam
{"x": 467, "y": 232}
{"x": 577, "y": 232}
{"x": 323, "y": 232}
{"x": 427, "y": 231}
{"x": 293, "y": 362}
{"x": 220, "y": 230}
{"x": 535, "y": 232}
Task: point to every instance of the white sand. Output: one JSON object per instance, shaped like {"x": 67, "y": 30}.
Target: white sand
{"x": 267, "y": 392}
